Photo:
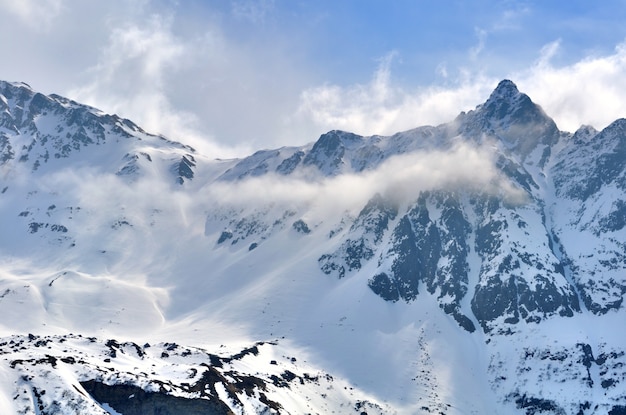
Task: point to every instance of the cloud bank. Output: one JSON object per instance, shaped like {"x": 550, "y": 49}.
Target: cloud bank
{"x": 38, "y": 14}
{"x": 589, "y": 92}
{"x": 382, "y": 107}
{"x": 401, "y": 178}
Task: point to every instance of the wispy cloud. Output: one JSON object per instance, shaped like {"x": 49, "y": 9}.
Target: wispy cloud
{"x": 510, "y": 17}
{"x": 481, "y": 34}
{"x": 586, "y": 92}
{"x": 253, "y": 11}
{"x": 132, "y": 76}
{"x": 589, "y": 91}
{"x": 193, "y": 84}
{"x": 401, "y": 178}
{"x": 37, "y": 14}
{"x": 382, "y": 107}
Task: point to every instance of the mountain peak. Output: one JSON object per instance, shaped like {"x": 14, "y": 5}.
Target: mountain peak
{"x": 512, "y": 117}
{"x": 506, "y": 101}
{"x": 505, "y": 91}
{"x": 14, "y": 86}
{"x": 506, "y": 87}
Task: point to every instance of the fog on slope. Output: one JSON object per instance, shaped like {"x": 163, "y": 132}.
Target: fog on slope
{"x": 400, "y": 178}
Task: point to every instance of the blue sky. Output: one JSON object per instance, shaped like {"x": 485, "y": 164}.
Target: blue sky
{"x": 233, "y": 76}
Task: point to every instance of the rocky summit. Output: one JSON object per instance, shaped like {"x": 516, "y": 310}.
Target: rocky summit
{"x": 477, "y": 266}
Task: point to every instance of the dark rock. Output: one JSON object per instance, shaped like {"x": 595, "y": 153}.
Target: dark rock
{"x": 288, "y": 165}
{"x": 224, "y": 236}
{"x": 415, "y": 249}
{"x": 132, "y": 400}
{"x": 184, "y": 168}
{"x": 328, "y": 151}
{"x": 618, "y": 410}
{"x": 533, "y": 405}
{"x": 301, "y": 227}
{"x": 384, "y": 287}
{"x": 364, "y": 237}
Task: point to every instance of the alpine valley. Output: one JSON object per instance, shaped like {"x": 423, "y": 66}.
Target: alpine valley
{"x": 475, "y": 267}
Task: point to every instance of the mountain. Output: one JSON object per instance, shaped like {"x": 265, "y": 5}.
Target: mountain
{"x": 477, "y": 266}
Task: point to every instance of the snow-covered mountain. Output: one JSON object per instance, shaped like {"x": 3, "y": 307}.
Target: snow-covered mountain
{"x": 474, "y": 267}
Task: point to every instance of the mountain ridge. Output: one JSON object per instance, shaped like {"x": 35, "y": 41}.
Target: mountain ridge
{"x": 468, "y": 242}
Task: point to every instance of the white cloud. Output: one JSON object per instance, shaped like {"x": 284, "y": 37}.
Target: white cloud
{"x": 131, "y": 78}
{"x": 37, "y": 14}
{"x": 510, "y": 17}
{"x": 401, "y": 178}
{"x": 475, "y": 51}
{"x": 590, "y": 91}
{"x": 192, "y": 83}
{"x": 255, "y": 11}
{"x": 380, "y": 107}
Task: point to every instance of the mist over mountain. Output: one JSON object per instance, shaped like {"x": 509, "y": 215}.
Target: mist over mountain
{"x": 477, "y": 266}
